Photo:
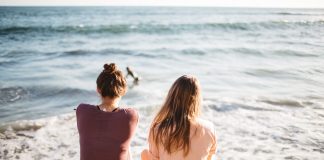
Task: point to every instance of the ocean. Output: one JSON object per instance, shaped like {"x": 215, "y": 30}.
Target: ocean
{"x": 261, "y": 72}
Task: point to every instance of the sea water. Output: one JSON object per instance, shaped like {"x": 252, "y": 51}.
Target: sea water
{"x": 261, "y": 73}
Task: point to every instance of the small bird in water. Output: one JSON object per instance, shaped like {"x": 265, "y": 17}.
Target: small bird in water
{"x": 132, "y": 74}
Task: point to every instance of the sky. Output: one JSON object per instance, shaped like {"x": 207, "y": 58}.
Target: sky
{"x": 211, "y": 3}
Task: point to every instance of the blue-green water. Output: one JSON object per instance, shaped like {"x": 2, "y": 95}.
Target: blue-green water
{"x": 261, "y": 70}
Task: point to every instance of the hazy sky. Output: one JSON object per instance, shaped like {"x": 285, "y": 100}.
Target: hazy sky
{"x": 224, "y": 3}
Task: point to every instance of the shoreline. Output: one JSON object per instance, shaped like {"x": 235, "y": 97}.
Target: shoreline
{"x": 240, "y": 132}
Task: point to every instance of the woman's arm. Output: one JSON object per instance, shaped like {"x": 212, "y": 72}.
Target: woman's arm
{"x": 152, "y": 153}
{"x": 212, "y": 150}
{"x": 145, "y": 155}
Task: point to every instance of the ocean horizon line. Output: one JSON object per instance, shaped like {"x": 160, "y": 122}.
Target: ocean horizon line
{"x": 162, "y": 6}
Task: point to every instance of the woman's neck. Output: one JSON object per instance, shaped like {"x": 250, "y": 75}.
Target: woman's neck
{"x": 109, "y": 104}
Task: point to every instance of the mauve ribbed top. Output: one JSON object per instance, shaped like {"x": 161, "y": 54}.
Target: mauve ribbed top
{"x": 105, "y": 135}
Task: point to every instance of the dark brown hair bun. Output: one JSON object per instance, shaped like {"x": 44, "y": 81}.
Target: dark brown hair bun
{"x": 111, "y": 81}
{"x": 110, "y": 68}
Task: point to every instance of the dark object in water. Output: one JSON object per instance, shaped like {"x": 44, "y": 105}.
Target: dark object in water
{"x": 132, "y": 74}
{"x": 12, "y": 94}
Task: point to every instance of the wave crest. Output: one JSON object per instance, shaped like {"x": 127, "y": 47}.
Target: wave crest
{"x": 158, "y": 28}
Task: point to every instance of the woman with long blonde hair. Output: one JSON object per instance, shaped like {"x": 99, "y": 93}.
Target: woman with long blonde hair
{"x": 176, "y": 132}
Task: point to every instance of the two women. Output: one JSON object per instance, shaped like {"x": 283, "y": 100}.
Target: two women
{"x": 176, "y": 131}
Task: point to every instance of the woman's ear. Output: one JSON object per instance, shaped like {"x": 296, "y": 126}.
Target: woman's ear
{"x": 98, "y": 91}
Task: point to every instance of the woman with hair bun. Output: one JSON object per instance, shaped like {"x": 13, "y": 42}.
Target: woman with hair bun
{"x": 106, "y": 130}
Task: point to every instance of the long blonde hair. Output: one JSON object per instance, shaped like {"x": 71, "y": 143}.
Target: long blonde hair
{"x": 171, "y": 126}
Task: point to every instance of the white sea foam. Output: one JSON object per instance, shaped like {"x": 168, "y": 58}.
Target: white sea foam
{"x": 243, "y": 132}
{"x": 48, "y": 138}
